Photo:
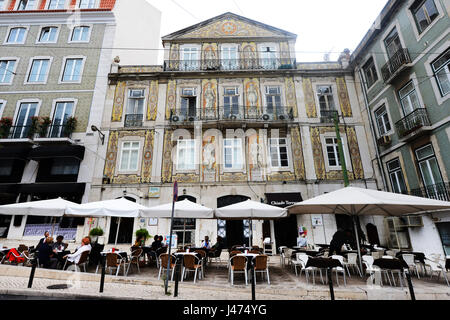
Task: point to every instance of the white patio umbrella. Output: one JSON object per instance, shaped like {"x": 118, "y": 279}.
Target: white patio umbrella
{"x": 121, "y": 208}
{"x": 183, "y": 209}
{"x": 361, "y": 202}
{"x": 251, "y": 210}
{"x": 42, "y": 208}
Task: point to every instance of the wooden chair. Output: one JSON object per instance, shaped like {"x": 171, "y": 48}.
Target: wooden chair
{"x": 134, "y": 259}
{"x": 115, "y": 260}
{"x": 191, "y": 263}
{"x": 163, "y": 260}
{"x": 254, "y": 251}
{"x": 203, "y": 260}
{"x": 238, "y": 264}
{"x": 262, "y": 266}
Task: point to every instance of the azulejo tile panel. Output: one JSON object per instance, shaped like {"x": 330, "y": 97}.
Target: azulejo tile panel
{"x": 152, "y": 107}
{"x": 310, "y": 103}
{"x": 119, "y": 98}
{"x": 344, "y": 100}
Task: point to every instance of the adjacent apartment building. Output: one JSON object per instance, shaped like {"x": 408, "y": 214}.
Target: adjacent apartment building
{"x": 230, "y": 115}
{"x": 403, "y": 65}
{"x": 55, "y": 56}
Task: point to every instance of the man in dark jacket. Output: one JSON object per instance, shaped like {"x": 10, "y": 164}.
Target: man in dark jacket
{"x": 46, "y": 254}
{"x": 339, "y": 238}
{"x": 42, "y": 240}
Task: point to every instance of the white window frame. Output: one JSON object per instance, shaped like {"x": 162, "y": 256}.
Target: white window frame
{"x": 235, "y": 65}
{"x": 16, "y": 59}
{"x": 240, "y": 146}
{"x": 426, "y": 159}
{"x": 8, "y": 32}
{"x": 80, "y": 41}
{"x": 3, "y": 4}
{"x": 63, "y": 67}
{"x": 442, "y": 67}
{"x": 20, "y": 102}
{"x": 58, "y": 2}
{"x": 395, "y": 24}
{"x": 181, "y": 145}
{"x": 263, "y": 48}
{"x": 437, "y": 93}
{"x": 386, "y": 111}
{"x": 38, "y": 39}
{"x": 412, "y": 19}
{"x": 396, "y": 172}
{"x": 376, "y": 70}
{"x": 287, "y": 143}
{"x": 63, "y": 100}
{"x": 122, "y": 149}
{"x": 195, "y": 65}
{"x": 348, "y": 163}
{"x": 95, "y": 5}
{"x": 407, "y": 96}
{"x": 2, "y": 106}
{"x": 16, "y": 7}
{"x": 30, "y": 65}
{"x": 129, "y": 99}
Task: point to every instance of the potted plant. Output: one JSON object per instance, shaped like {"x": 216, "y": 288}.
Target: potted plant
{"x": 95, "y": 233}
{"x": 43, "y": 126}
{"x": 33, "y": 127}
{"x": 70, "y": 126}
{"x": 143, "y": 233}
{"x": 5, "y": 127}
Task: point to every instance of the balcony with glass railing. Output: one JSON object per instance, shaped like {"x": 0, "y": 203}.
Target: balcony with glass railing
{"x": 397, "y": 63}
{"x": 229, "y": 64}
{"x": 416, "y": 122}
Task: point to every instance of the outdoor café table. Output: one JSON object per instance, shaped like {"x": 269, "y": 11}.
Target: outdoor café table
{"x": 391, "y": 264}
{"x": 250, "y": 257}
{"x": 323, "y": 263}
{"x": 420, "y": 256}
{"x": 311, "y": 253}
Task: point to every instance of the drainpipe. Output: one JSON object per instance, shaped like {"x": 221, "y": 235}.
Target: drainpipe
{"x": 372, "y": 130}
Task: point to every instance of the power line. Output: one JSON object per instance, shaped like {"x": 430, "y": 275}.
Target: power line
{"x": 184, "y": 9}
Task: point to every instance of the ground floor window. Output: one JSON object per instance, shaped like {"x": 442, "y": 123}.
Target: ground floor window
{"x": 444, "y": 232}
{"x": 398, "y": 235}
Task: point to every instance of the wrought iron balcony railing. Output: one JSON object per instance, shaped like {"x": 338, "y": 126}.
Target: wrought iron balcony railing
{"x": 134, "y": 120}
{"x": 19, "y": 132}
{"x": 233, "y": 113}
{"x": 58, "y": 131}
{"x": 412, "y": 122}
{"x": 229, "y": 64}
{"x": 439, "y": 191}
{"x": 328, "y": 116}
{"x": 398, "y": 60}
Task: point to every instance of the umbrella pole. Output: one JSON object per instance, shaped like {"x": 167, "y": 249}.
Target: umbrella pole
{"x": 357, "y": 240}
{"x": 117, "y": 232}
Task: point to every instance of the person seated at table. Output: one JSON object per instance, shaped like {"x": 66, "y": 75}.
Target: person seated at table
{"x": 302, "y": 241}
{"x": 339, "y": 238}
{"x": 59, "y": 245}
{"x": 139, "y": 241}
{"x": 74, "y": 258}
{"x": 46, "y": 255}
{"x": 42, "y": 240}
{"x": 206, "y": 244}
{"x": 157, "y": 242}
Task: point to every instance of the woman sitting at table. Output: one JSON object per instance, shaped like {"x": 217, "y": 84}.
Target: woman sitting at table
{"x": 206, "y": 244}
{"x": 74, "y": 258}
{"x": 46, "y": 256}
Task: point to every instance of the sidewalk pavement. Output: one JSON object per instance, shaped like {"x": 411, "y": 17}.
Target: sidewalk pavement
{"x": 215, "y": 286}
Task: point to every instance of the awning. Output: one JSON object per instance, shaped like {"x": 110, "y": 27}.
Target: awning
{"x": 57, "y": 151}
{"x": 14, "y": 152}
{"x": 53, "y": 188}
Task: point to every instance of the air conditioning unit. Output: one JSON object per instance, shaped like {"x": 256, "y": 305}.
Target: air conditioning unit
{"x": 266, "y": 117}
{"x": 408, "y": 221}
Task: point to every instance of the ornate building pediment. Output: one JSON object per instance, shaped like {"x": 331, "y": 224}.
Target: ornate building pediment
{"x": 229, "y": 25}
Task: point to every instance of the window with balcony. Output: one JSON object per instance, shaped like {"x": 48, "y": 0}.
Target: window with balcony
{"x": 429, "y": 170}
{"x": 26, "y": 5}
{"x": 2, "y": 5}
{"x": 56, "y": 4}
{"x": 72, "y": 70}
{"x": 189, "y": 59}
{"x": 80, "y": 34}
{"x": 188, "y": 103}
{"x": 382, "y": 119}
{"x": 425, "y": 12}
{"x": 39, "y": 71}
{"x": 87, "y": 4}
{"x": 135, "y": 108}
{"x": 232, "y": 153}
{"x": 326, "y": 103}
{"x": 21, "y": 129}
{"x": 273, "y": 101}
{"x": 392, "y": 43}
{"x": 16, "y": 36}
{"x": 7, "y": 71}
{"x": 408, "y": 98}
{"x": 48, "y": 35}
{"x": 441, "y": 69}
{"x": 278, "y": 153}
{"x": 129, "y": 157}
{"x": 370, "y": 72}
{"x": 230, "y": 102}
{"x": 395, "y": 172}
{"x": 229, "y": 56}
{"x": 269, "y": 59}
{"x": 186, "y": 154}
{"x": 63, "y": 110}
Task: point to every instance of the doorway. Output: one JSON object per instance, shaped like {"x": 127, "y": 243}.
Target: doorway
{"x": 286, "y": 231}
{"x": 233, "y": 231}
{"x": 126, "y": 226}
{"x": 185, "y": 228}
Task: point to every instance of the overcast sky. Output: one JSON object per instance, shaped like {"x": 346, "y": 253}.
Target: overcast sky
{"x": 321, "y": 25}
